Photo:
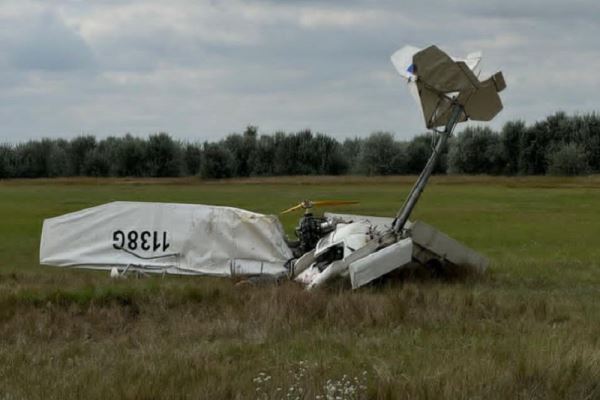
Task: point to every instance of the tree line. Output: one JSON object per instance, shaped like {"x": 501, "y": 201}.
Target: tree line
{"x": 558, "y": 145}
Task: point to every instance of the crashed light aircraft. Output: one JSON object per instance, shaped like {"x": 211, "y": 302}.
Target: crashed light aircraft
{"x": 192, "y": 239}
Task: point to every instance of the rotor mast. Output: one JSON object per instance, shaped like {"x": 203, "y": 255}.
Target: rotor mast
{"x": 419, "y": 186}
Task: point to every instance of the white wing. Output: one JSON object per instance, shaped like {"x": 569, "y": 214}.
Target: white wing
{"x": 187, "y": 239}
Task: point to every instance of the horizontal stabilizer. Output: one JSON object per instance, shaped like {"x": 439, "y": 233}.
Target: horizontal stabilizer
{"x": 437, "y": 81}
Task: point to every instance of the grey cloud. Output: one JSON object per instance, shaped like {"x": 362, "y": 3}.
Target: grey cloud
{"x": 50, "y": 45}
{"x": 557, "y": 11}
{"x": 201, "y": 70}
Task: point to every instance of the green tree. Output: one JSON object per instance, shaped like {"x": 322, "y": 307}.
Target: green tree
{"x": 380, "y": 154}
{"x": 131, "y": 156}
{"x": 418, "y": 151}
{"x": 568, "y": 159}
{"x": 263, "y": 158}
{"x": 163, "y": 156}
{"x": 217, "y": 162}
{"x": 539, "y": 139}
{"x": 32, "y": 159}
{"x": 57, "y": 163}
{"x": 78, "y": 150}
{"x": 192, "y": 158}
{"x": 7, "y": 161}
{"x": 98, "y": 162}
{"x": 511, "y": 139}
{"x": 242, "y": 147}
{"x": 476, "y": 150}
{"x": 351, "y": 152}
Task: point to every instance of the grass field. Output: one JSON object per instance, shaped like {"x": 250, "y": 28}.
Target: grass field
{"x": 529, "y": 328}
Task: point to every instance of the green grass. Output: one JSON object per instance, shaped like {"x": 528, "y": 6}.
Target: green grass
{"x": 529, "y": 328}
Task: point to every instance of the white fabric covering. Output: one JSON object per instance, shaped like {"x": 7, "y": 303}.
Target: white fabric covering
{"x": 174, "y": 238}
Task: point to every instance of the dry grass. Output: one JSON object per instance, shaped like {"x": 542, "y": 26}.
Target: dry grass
{"x": 590, "y": 181}
{"x": 210, "y": 339}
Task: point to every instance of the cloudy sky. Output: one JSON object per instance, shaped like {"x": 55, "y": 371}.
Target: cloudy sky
{"x": 202, "y": 69}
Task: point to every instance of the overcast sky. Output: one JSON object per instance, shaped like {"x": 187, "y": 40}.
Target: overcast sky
{"x": 202, "y": 69}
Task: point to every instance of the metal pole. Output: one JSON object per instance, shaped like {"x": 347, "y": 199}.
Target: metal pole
{"x": 419, "y": 185}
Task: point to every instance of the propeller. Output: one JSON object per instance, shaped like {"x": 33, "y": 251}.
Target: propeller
{"x": 307, "y": 204}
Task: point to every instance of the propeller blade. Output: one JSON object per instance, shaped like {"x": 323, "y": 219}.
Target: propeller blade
{"x": 309, "y": 204}
{"x": 296, "y": 207}
{"x": 332, "y": 202}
